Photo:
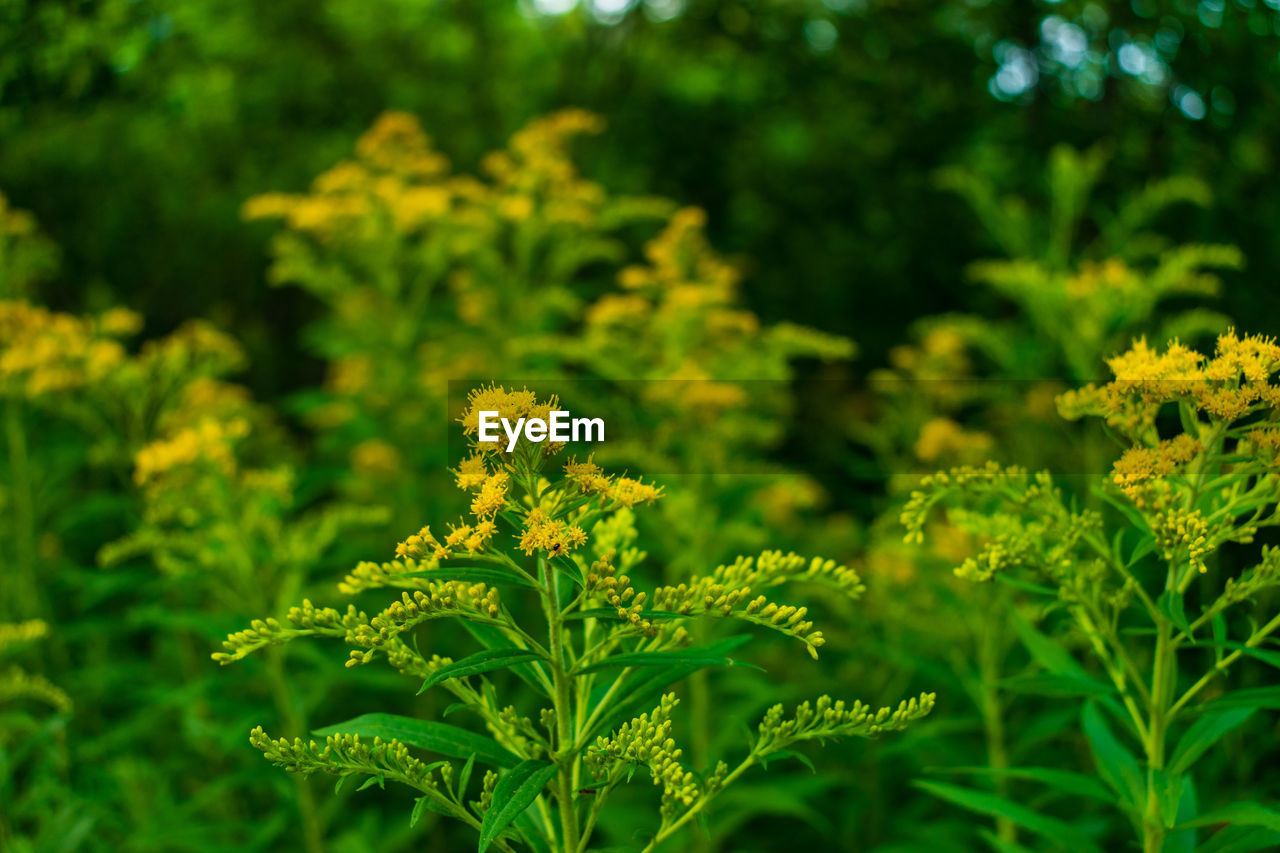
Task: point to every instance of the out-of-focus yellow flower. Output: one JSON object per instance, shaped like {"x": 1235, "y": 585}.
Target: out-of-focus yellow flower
{"x": 375, "y": 458}
{"x": 944, "y": 438}
{"x": 210, "y": 441}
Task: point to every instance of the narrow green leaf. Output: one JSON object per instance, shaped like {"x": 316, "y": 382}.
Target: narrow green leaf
{"x": 465, "y": 777}
{"x": 990, "y": 804}
{"x": 1184, "y": 840}
{"x": 473, "y": 574}
{"x": 425, "y": 734}
{"x": 1056, "y": 685}
{"x": 798, "y": 756}
{"x": 1204, "y": 733}
{"x": 1219, "y": 624}
{"x": 641, "y": 688}
{"x": 485, "y": 661}
{"x": 516, "y": 791}
{"x": 1241, "y": 839}
{"x": 1252, "y": 697}
{"x": 1239, "y": 814}
{"x": 419, "y": 806}
{"x": 696, "y": 658}
{"x": 1172, "y": 605}
{"x": 492, "y": 637}
{"x": 1117, "y": 766}
{"x": 1045, "y": 651}
{"x": 1064, "y": 781}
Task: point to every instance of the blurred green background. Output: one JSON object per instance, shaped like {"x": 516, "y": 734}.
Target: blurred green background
{"x": 824, "y": 140}
{"x": 809, "y": 131}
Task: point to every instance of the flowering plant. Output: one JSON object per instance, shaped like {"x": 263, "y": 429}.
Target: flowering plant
{"x": 599, "y": 666}
{"x": 1160, "y": 592}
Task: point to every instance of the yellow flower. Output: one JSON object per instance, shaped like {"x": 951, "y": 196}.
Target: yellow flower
{"x": 492, "y": 497}
{"x": 210, "y": 441}
{"x": 375, "y": 458}
{"x": 943, "y": 437}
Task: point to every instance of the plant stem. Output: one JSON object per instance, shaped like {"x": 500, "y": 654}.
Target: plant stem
{"x": 1163, "y": 679}
{"x": 565, "y": 755}
{"x": 308, "y": 812}
{"x": 990, "y": 657}
{"x": 26, "y": 599}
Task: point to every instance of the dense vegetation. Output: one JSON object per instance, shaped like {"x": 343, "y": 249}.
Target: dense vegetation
{"x": 973, "y": 299}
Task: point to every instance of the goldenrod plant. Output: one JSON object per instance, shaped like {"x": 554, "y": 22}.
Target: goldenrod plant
{"x": 1152, "y": 603}
{"x": 1080, "y": 278}
{"x": 597, "y": 672}
{"x": 529, "y": 270}
{"x": 35, "y": 805}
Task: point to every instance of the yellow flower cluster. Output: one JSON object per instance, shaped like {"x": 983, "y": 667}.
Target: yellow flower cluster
{"x": 44, "y": 352}
{"x": 1231, "y": 384}
{"x": 554, "y": 537}
{"x": 398, "y": 182}
{"x": 1138, "y": 466}
{"x": 624, "y": 491}
{"x": 511, "y": 406}
{"x": 209, "y": 442}
{"x": 944, "y": 438}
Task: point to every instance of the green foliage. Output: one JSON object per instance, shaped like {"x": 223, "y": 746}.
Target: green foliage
{"x": 1148, "y": 591}
{"x": 604, "y": 651}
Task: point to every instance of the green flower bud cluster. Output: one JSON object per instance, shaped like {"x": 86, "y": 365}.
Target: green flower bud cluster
{"x": 439, "y": 599}
{"x": 307, "y": 620}
{"x": 826, "y": 718}
{"x": 17, "y": 683}
{"x": 396, "y": 573}
{"x": 727, "y": 592}
{"x": 1265, "y": 575}
{"x": 347, "y": 755}
{"x": 616, "y": 590}
{"x": 646, "y": 742}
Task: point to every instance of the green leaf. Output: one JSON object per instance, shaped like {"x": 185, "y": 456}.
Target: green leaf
{"x": 1045, "y": 651}
{"x": 425, "y": 804}
{"x": 787, "y": 753}
{"x": 492, "y": 637}
{"x": 696, "y": 658}
{"x": 1064, "y": 781}
{"x": 1184, "y": 840}
{"x": 1241, "y": 839}
{"x": 1056, "y": 685}
{"x": 570, "y": 569}
{"x": 1172, "y": 605}
{"x": 1253, "y": 697}
{"x": 990, "y": 804}
{"x": 485, "y": 661}
{"x": 1204, "y": 733}
{"x": 1117, "y": 766}
{"x": 516, "y": 791}
{"x": 641, "y": 688}
{"x": 465, "y": 777}
{"x": 425, "y": 734}
{"x": 473, "y": 574}
{"x": 1239, "y": 814}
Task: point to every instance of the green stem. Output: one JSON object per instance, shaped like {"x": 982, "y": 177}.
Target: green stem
{"x": 565, "y": 755}
{"x": 26, "y": 599}
{"x": 1163, "y": 679}
{"x": 990, "y": 656}
{"x": 308, "y": 811}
